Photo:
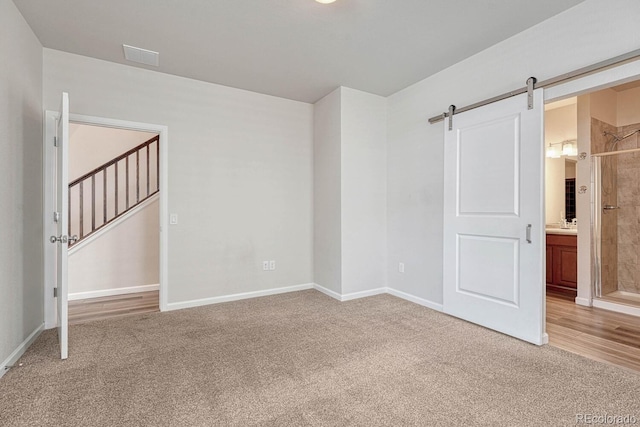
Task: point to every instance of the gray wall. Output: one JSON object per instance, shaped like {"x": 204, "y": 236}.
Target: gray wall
{"x": 350, "y": 191}
{"x": 240, "y": 171}
{"x": 21, "y": 287}
{"x": 327, "y": 194}
{"x": 364, "y": 191}
{"x": 105, "y": 264}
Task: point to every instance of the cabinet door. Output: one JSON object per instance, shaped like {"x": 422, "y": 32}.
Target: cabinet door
{"x": 549, "y": 264}
{"x": 565, "y": 266}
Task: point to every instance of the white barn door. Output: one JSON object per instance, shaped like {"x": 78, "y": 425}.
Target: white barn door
{"x": 494, "y": 234}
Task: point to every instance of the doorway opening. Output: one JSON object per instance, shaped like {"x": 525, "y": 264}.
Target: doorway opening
{"x": 593, "y": 222}
{"x": 144, "y": 196}
{"x": 610, "y": 123}
{"x": 114, "y": 194}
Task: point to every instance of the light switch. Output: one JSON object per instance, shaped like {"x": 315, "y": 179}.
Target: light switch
{"x": 173, "y": 219}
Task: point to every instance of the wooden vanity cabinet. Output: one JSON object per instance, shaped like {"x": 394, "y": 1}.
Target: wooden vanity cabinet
{"x": 562, "y": 263}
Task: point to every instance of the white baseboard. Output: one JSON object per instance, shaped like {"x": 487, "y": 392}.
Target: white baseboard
{"x": 351, "y": 296}
{"x": 583, "y": 301}
{"x": 111, "y": 292}
{"x": 620, "y": 308}
{"x": 18, "y": 352}
{"x": 236, "y": 297}
{"x": 363, "y": 294}
{"x": 328, "y": 292}
{"x": 420, "y": 301}
{"x": 347, "y": 297}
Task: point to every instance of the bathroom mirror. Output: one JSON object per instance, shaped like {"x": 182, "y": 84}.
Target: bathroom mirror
{"x": 570, "y": 189}
{"x": 560, "y": 189}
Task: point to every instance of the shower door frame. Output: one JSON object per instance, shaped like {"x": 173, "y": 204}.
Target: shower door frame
{"x": 616, "y": 75}
{"x": 596, "y": 225}
{"x": 597, "y": 213}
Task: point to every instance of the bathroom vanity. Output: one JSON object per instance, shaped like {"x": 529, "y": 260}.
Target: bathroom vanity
{"x": 562, "y": 260}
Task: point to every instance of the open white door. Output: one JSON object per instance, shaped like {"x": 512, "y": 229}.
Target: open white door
{"x": 493, "y": 221}
{"x": 61, "y": 240}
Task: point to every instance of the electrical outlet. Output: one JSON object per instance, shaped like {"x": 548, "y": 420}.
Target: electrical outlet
{"x": 401, "y": 267}
{"x": 265, "y": 265}
{"x": 272, "y": 265}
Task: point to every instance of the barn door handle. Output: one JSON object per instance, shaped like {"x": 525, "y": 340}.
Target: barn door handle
{"x": 529, "y": 233}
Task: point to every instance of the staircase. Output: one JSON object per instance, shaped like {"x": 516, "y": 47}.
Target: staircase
{"x": 100, "y": 197}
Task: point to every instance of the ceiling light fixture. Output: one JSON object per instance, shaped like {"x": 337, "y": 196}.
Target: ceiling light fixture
{"x": 325, "y": 1}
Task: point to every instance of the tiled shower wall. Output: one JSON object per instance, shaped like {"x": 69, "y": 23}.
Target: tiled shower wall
{"x": 629, "y": 212}
{"x": 620, "y": 228}
{"x": 609, "y": 224}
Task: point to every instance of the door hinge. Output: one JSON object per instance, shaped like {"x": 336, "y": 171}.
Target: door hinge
{"x": 55, "y": 292}
{"x": 56, "y": 216}
{"x": 55, "y": 141}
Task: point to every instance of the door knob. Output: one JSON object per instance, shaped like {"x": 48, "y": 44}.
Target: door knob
{"x": 73, "y": 239}
{"x": 62, "y": 239}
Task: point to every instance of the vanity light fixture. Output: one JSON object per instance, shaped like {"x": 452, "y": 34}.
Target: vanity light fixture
{"x": 569, "y": 148}
{"x": 553, "y": 152}
{"x": 564, "y": 148}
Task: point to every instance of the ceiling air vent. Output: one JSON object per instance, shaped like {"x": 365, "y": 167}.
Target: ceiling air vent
{"x": 142, "y": 56}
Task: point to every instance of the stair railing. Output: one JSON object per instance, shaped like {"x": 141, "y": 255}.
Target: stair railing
{"x": 103, "y": 187}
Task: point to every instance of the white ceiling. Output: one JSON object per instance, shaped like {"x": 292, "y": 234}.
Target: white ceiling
{"x": 296, "y": 49}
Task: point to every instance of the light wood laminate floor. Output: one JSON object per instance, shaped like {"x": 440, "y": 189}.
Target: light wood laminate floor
{"x": 86, "y": 310}
{"x": 595, "y": 333}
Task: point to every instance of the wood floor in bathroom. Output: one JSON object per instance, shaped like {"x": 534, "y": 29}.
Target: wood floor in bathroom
{"x": 595, "y": 333}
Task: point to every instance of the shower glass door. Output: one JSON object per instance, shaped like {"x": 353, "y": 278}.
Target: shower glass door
{"x": 615, "y": 225}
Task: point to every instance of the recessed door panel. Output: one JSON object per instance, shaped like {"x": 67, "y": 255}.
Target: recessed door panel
{"x": 480, "y": 276}
{"x": 488, "y": 158}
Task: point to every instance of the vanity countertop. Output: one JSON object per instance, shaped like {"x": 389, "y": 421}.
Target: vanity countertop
{"x": 565, "y": 231}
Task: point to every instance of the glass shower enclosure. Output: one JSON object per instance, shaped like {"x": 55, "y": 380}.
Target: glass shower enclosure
{"x": 615, "y": 225}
